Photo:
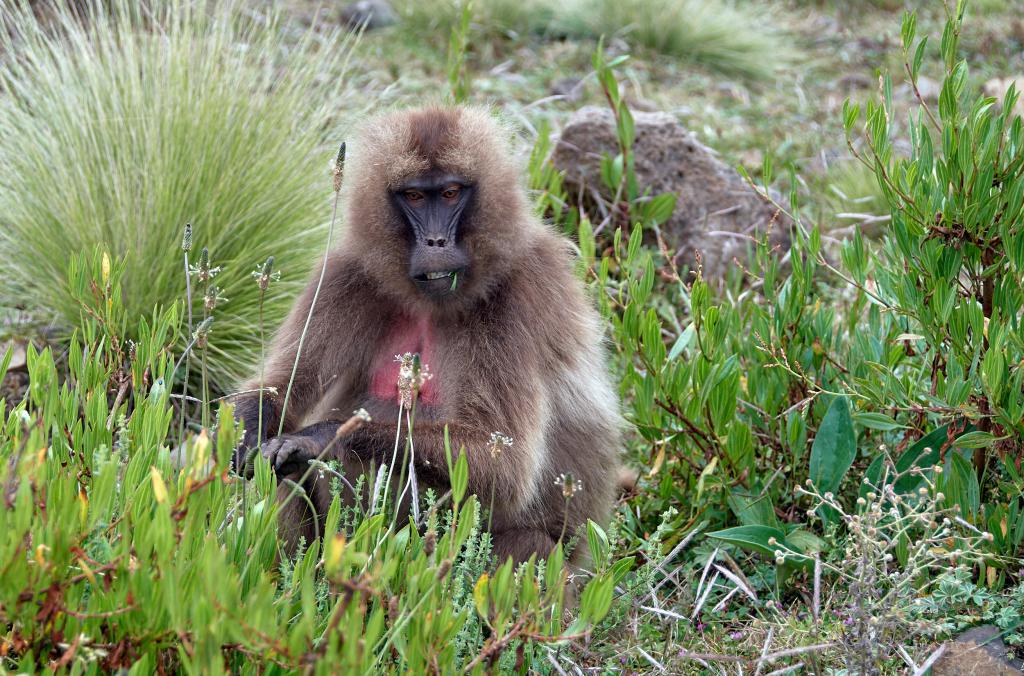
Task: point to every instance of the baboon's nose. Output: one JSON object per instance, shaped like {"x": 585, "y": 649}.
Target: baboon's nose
{"x": 438, "y": 242}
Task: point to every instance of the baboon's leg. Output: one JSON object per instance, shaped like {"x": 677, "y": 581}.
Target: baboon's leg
{"x": 521, "y": 543}
{"x": 296, "y": 519}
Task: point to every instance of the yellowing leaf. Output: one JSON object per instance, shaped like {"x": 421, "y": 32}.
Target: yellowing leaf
{"x": 659, "y": 460}
{"x": 334, "y": 551}
{"x": 105, "y": 267}
{"x": 480, "y": 595}
{"x": 87, "y": 571}
{"x": 159, "y": 487}
{"x": 83, "y": 506}
{"x": 705, "y": 473}
{"x": 200, "y": 452}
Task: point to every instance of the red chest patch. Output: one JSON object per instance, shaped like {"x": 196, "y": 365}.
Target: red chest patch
{"x": 413, "y": 335}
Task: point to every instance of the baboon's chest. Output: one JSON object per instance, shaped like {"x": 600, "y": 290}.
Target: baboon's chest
{"x": 407, "y": 336}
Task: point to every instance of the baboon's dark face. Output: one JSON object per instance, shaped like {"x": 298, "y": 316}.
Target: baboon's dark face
{"x": 433, "y": 209}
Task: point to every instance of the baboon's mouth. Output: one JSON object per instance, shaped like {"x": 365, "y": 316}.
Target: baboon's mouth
{"x": 431, "y": 276}
{"x": 439, "y": 282}
{"x": 439, "y": 277}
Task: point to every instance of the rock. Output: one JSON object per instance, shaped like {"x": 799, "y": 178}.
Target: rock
{"x": 998, "y": 87}
{"x": 18, "y": 356}
{"x": 977, "y": 652}
{"x": 373, "y": 13}
{"x": 716, "y": 214}
{"x": 569, "y": 88}
{"x": 929, "y": 88}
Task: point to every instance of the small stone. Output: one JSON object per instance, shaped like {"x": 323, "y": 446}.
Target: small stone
{"x": 998, "y": 87}
{"x": 373, "y": 13}
{"x": 929, "y": 88}
{"x": 978, "y": 652}
{"x": 18, "y": 356}
{"x": 569, "y": 88}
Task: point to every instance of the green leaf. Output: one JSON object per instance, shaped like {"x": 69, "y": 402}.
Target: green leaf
{"x": 877, "y": 421}
{"x": 682, "y": 342}
{"x": 834, "y": 448}
{"x": 752, "y": 510}
{"x": 924, "y": 453}
{"x": 5, "y": 362}
{"x": 597, "y": 540}
{"x": 805, "y": 541}
{"x": 596, "y": 600}
{"x": 460, "y": 477}
{"x": 553, "y": 566}
{"x": 761, "y": 539}
{"x": 976, "y": 439}
{"x": 660, "y": 208}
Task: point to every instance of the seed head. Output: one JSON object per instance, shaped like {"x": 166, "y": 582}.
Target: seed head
{"x": 338, "y": 170}
{"x": 203, "y": 332}
{"x": 412, "y": 374}
{"x": 498, "y": 443}
{"x": 186, "y": 240}
{"x": 211, "y": 298}
{"x": 569, "y": 485}
{"x": 202, "y": 270}
{"x": 265, "y": 274}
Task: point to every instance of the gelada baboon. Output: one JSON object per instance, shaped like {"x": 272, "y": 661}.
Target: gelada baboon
{"x": 443, "y": 257}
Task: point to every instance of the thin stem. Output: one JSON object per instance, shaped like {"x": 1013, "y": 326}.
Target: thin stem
{"x": 202, "y": 355}
{"x": 259, "y": 423}
{"x": 312, "y": 308}
{"x": 184, "y": 383}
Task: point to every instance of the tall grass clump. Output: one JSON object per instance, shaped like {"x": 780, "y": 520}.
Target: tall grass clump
{"x": 726, "y": 38}
{"x": 121, "y": 123}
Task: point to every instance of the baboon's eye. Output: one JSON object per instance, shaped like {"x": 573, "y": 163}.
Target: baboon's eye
{"x": 450, "y": 192}
{"x": 413, "y": 196}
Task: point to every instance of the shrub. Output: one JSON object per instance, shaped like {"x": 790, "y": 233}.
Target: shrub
{"x": 743, "y": 389}
{"x": 117, "y": 552}
{"x": 120, "y": 124}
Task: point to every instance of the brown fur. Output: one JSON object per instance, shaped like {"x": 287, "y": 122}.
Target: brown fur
{"x": 516, "y": 350}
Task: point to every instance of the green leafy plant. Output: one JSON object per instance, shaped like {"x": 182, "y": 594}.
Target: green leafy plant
{"x": 123, "y": 545}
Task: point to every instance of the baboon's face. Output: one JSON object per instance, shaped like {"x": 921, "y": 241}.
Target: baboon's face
{"x": 433, "y": 209}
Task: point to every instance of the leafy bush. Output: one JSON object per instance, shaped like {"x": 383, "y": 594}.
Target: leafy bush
{"x": 117, "y": 552}
{"x": 910, "y": 349}
{"x": 120, "y": 124}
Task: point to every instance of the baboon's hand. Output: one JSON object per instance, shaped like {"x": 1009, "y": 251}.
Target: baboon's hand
{"x": 289, "y": 452}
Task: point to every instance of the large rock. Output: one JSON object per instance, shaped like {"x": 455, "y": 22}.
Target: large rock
{"x": 977, "y": 652}
{"x": 717, "y": 213}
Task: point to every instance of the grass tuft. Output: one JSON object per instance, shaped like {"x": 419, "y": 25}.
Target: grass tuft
{"x": 121, "y": 125}
{"x": 726, "y": 38}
